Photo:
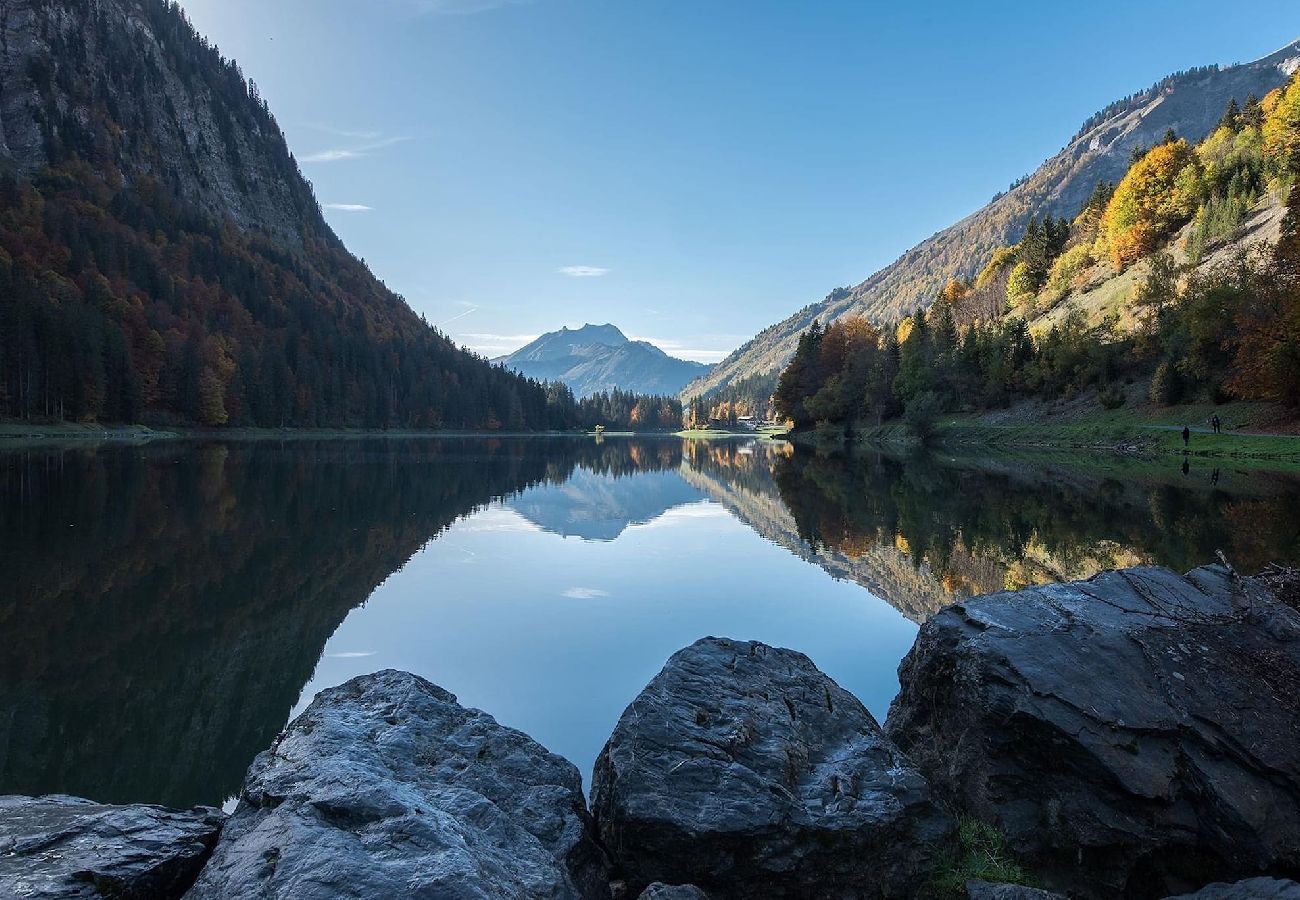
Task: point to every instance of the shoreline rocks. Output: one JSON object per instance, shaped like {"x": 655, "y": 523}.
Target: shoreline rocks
{"x": 58, "y": 847}
{"x": 745, "y": 771}
{"x": 1133, "y": 735}
{"x": 387, "y": 787}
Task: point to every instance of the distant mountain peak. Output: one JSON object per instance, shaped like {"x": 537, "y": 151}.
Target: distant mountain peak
{"x": 607, "y": 334}
{"x": 597, "y": 358}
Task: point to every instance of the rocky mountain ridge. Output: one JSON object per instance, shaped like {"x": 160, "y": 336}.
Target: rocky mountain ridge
{"x": 186, "y": 115}
{"x": 1190, "y": 103}
{"x": 600, "y": 358}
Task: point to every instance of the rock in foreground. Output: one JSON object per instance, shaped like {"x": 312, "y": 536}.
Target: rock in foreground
{"x": 661, "y": 891}
{"x": 1131, "y": 735}
{"x": 744, "y": 770}
{"x": 386, "y": 787}
{"x": 989, "y": 890}
{"x": 1249, "y": 889}
{"x": 62, "y": 847}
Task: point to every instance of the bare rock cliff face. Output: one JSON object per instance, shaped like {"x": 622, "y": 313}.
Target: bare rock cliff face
{"x": 180, "y": 113}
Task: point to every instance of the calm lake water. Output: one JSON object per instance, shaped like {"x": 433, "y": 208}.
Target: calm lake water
{"x": 166, "y": 609}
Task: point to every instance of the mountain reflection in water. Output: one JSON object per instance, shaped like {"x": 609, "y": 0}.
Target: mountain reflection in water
{"x": 164, "y": 606}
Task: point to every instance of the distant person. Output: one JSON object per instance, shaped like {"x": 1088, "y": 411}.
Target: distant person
{"x": 1214, "y": 477}
{"x": 1187, "y": 436}
{"x": 1186, "y": 467}
{"x": 1217, "y": 424}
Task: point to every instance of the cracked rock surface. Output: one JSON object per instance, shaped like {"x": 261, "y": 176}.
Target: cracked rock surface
{"x": 745, "y": 771}
{"x": 1248, "y": 889}
{"x": 387, "y": 787}
{"x": 660, "y": 891}
{"x": 57, "y": 847}
{"x": 1134, "y": 735}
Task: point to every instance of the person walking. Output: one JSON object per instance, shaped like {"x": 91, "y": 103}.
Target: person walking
{"x": 1187, "y": 436}
{"x": 1217, "y": 424}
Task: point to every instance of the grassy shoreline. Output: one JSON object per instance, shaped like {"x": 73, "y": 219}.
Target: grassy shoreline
{"x": 1132, "y": 440}
{"x": 17, "y": 433}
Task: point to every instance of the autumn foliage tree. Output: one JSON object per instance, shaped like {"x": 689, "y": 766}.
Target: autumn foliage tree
{"x": 1160, "y": 193}
{"x": 1282, "y": 127}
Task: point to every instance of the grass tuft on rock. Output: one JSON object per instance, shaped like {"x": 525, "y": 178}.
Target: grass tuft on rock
{"x": 982, "y": 855}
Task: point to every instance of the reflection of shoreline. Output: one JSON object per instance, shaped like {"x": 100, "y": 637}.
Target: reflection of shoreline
{"x": 887, "y": 575}
{"x": 165, "y": 605}
{"x": 921, "y": 533}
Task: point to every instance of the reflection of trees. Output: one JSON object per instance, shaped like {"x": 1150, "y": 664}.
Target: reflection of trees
{"x": 162, "y": 607}
{"x": 1032, "y": 523}
{"x": 920, "y": 533}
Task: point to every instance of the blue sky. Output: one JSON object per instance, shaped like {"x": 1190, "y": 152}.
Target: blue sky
{"x": 690, "y": 170}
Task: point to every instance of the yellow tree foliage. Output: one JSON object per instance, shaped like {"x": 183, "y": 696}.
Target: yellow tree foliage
{"x": 212, "y": 399}
{"x": 954, "y": 292}
{"x": 1002, "y": 257}
{"x": 1160, "y": 192}
{"x": 1020, "y": 285}
{"x": 1269, "y": 103}
{"x": 1282, "y": 126}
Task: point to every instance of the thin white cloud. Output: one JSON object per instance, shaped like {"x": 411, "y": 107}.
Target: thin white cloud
{"x": 349, "y": 207}
{"x": 582, "y": 271}
{"x": 683, "y": 350}
{"x": 470, "y": 311}
{"x": 360, "y": 151}
{"x": 491, "y": 345}
{"x": 345, "y": 133}
{"x": 702, "y": 509}
{"x": 497, "y": 519}
{"x": 351, "y": 654}
{"x": 702, "y": 356}
{"x": 520, "y": 339}
{"x": 585, "y": 593}
{"x": 325, "y": 156}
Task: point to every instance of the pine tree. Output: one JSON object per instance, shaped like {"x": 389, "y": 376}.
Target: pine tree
{"x": 1231, "y": 116}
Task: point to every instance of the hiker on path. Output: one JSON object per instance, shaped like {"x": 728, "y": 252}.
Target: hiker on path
{"x": 1217, "y": 424}
{"x": 1187, "y": 436}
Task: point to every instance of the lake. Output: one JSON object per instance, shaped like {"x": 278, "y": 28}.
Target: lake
{"x": 167, "y": 608}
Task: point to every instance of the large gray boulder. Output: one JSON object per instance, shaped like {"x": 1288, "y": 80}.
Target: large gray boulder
{"x": 387, "y": 787}
{"x": 61, "y": 847}
{"x": 991, "y": 890}
{"x": 744, "y": 770}
{"x": 1131, "y": 735}
{"x": 1248, "y": 889}
{"x": 661, "y": 891}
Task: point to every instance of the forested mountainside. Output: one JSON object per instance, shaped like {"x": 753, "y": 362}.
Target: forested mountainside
{"x": 1180, "y": 283}
{"x": 162, "y": 259}
{"x": 1190, "y": 103}
{"x": 600, "y": 358}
